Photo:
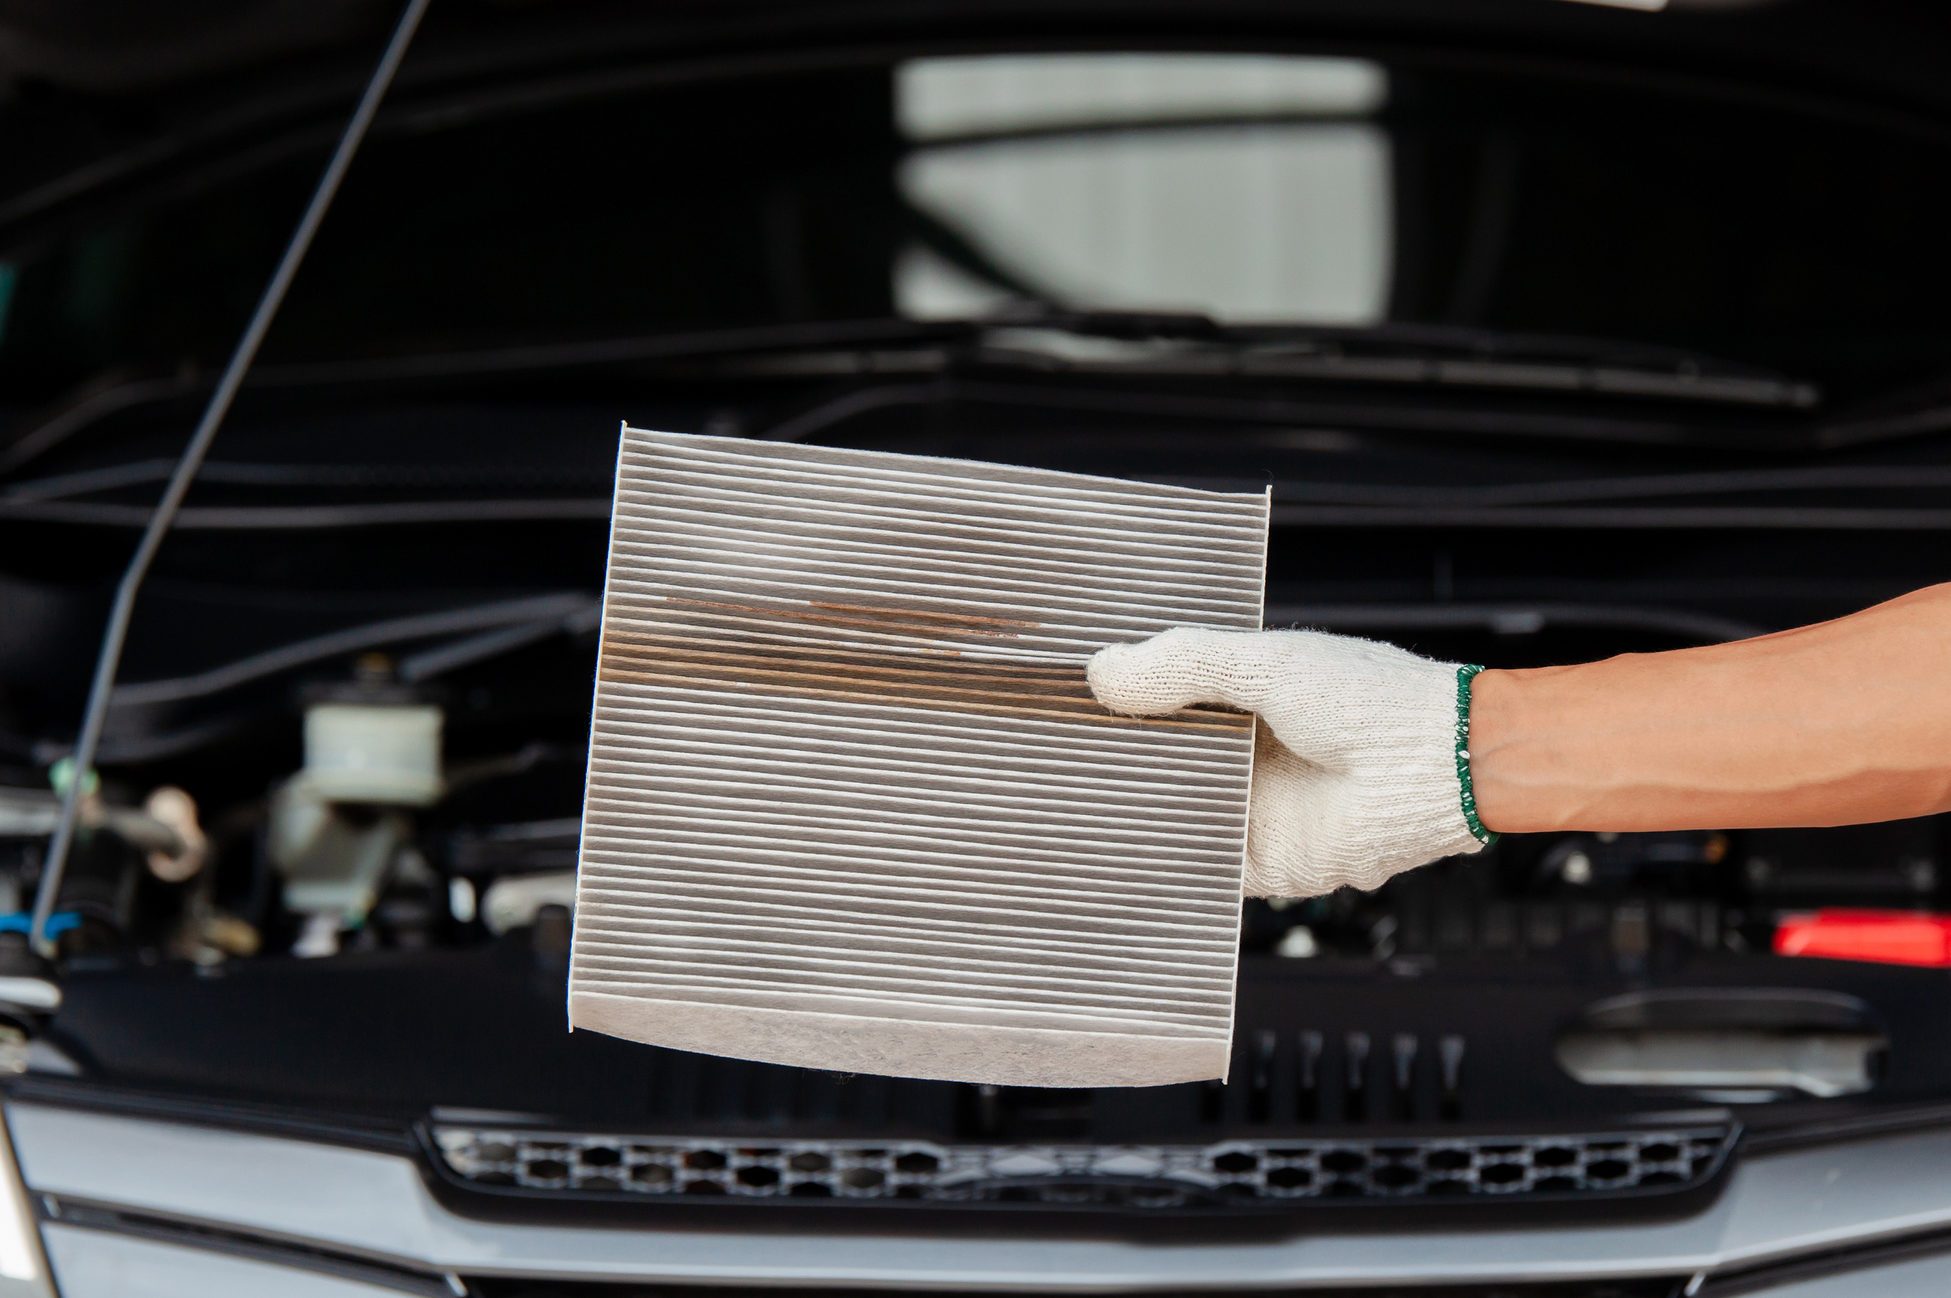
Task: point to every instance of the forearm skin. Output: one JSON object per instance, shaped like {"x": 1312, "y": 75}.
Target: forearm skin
{"x": 1842, "y": 722}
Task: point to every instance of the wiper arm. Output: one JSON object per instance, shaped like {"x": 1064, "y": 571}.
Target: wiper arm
{"x": 1443, "y": 355}
{"x": 1380, "y": 340}
{"x": 1396, "y": 337}
{"x": 1187, "y": 342}
{"x": 103, "y": 398}
{"x": 1137, "y": 326}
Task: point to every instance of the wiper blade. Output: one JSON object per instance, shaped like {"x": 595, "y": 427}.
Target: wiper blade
{"x": 1440, "y": 355}
{"x": 1106, "y": 323}
{"x": 111, "y": 395}
{"x": 1390, "y": 337}
{"x": 1185, "y": 343}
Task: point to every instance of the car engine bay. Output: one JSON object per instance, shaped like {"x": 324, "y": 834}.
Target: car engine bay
{"x": 322, "y": 894}
{"x": 332, "y": 877}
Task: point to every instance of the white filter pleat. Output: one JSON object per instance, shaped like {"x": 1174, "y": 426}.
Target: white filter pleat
{"x": 851, "y": 804}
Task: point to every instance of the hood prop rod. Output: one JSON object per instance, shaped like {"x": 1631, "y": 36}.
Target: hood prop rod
{"x": 109, "y": 656}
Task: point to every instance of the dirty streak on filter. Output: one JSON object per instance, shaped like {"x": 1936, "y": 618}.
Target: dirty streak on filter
{"x": 851, "y": 804}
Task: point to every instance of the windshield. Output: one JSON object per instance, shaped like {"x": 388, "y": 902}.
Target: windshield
{"x": 1247, "y": 189}
{"x": 1337, "y": 191}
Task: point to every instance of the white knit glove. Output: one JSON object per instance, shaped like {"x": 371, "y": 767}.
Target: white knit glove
{"x": 1355, "y": 774}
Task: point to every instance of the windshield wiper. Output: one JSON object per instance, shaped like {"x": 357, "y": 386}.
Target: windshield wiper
{"x": 1163, "y": 343}
{"x": 1399, "y": 353}
{"x": 1193, "y": 344}
{"x": 108, "y": 396}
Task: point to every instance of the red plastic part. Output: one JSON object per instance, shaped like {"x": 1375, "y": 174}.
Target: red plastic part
{"x": 1877, "y": 936}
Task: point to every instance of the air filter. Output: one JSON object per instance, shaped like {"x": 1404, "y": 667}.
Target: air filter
{"x": 851, "y": 804}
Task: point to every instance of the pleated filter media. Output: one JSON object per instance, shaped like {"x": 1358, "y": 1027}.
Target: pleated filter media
{"x": 851, "y": 804}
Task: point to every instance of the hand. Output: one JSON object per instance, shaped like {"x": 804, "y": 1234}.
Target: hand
{"x": 1355, "y": 774}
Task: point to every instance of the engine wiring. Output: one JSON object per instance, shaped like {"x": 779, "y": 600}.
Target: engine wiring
{"x": 102, "y": 686}
{"x": 532, "y": 617}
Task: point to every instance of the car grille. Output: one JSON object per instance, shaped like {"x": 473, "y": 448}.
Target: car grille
{"x": 1139, "y": 1176}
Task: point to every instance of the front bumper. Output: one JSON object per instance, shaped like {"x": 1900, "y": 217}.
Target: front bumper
{"x": 193, "y": 1203}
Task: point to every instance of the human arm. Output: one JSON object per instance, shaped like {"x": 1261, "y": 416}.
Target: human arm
{"x": 1836, "y": 723}
{"x": 1361, "y": 771}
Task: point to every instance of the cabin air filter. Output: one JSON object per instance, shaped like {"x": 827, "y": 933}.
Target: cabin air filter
{"x": 851, "y": 804}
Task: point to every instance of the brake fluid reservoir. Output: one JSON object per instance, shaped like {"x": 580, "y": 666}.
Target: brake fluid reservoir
{"x": 373, "y": 752}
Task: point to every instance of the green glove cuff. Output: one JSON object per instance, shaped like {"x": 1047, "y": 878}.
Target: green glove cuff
{"x": 1477, "y": 830}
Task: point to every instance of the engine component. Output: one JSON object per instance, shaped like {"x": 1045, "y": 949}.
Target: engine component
{"x": 340, "y": 825}
{"x": 380, "y": 752}
{"x": 1727, "y": 1044}
{"x": 176, "y": 810}
{"x": 1699, "y": 1060}
{"x": 1893, "y": 864}
{"x": 101, "y": 897}
{"x": 514, "y": 903}
{"x": 1584, "y": 860}
{"x": 32, "y": 813}
{"x": 334, "y": 859}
